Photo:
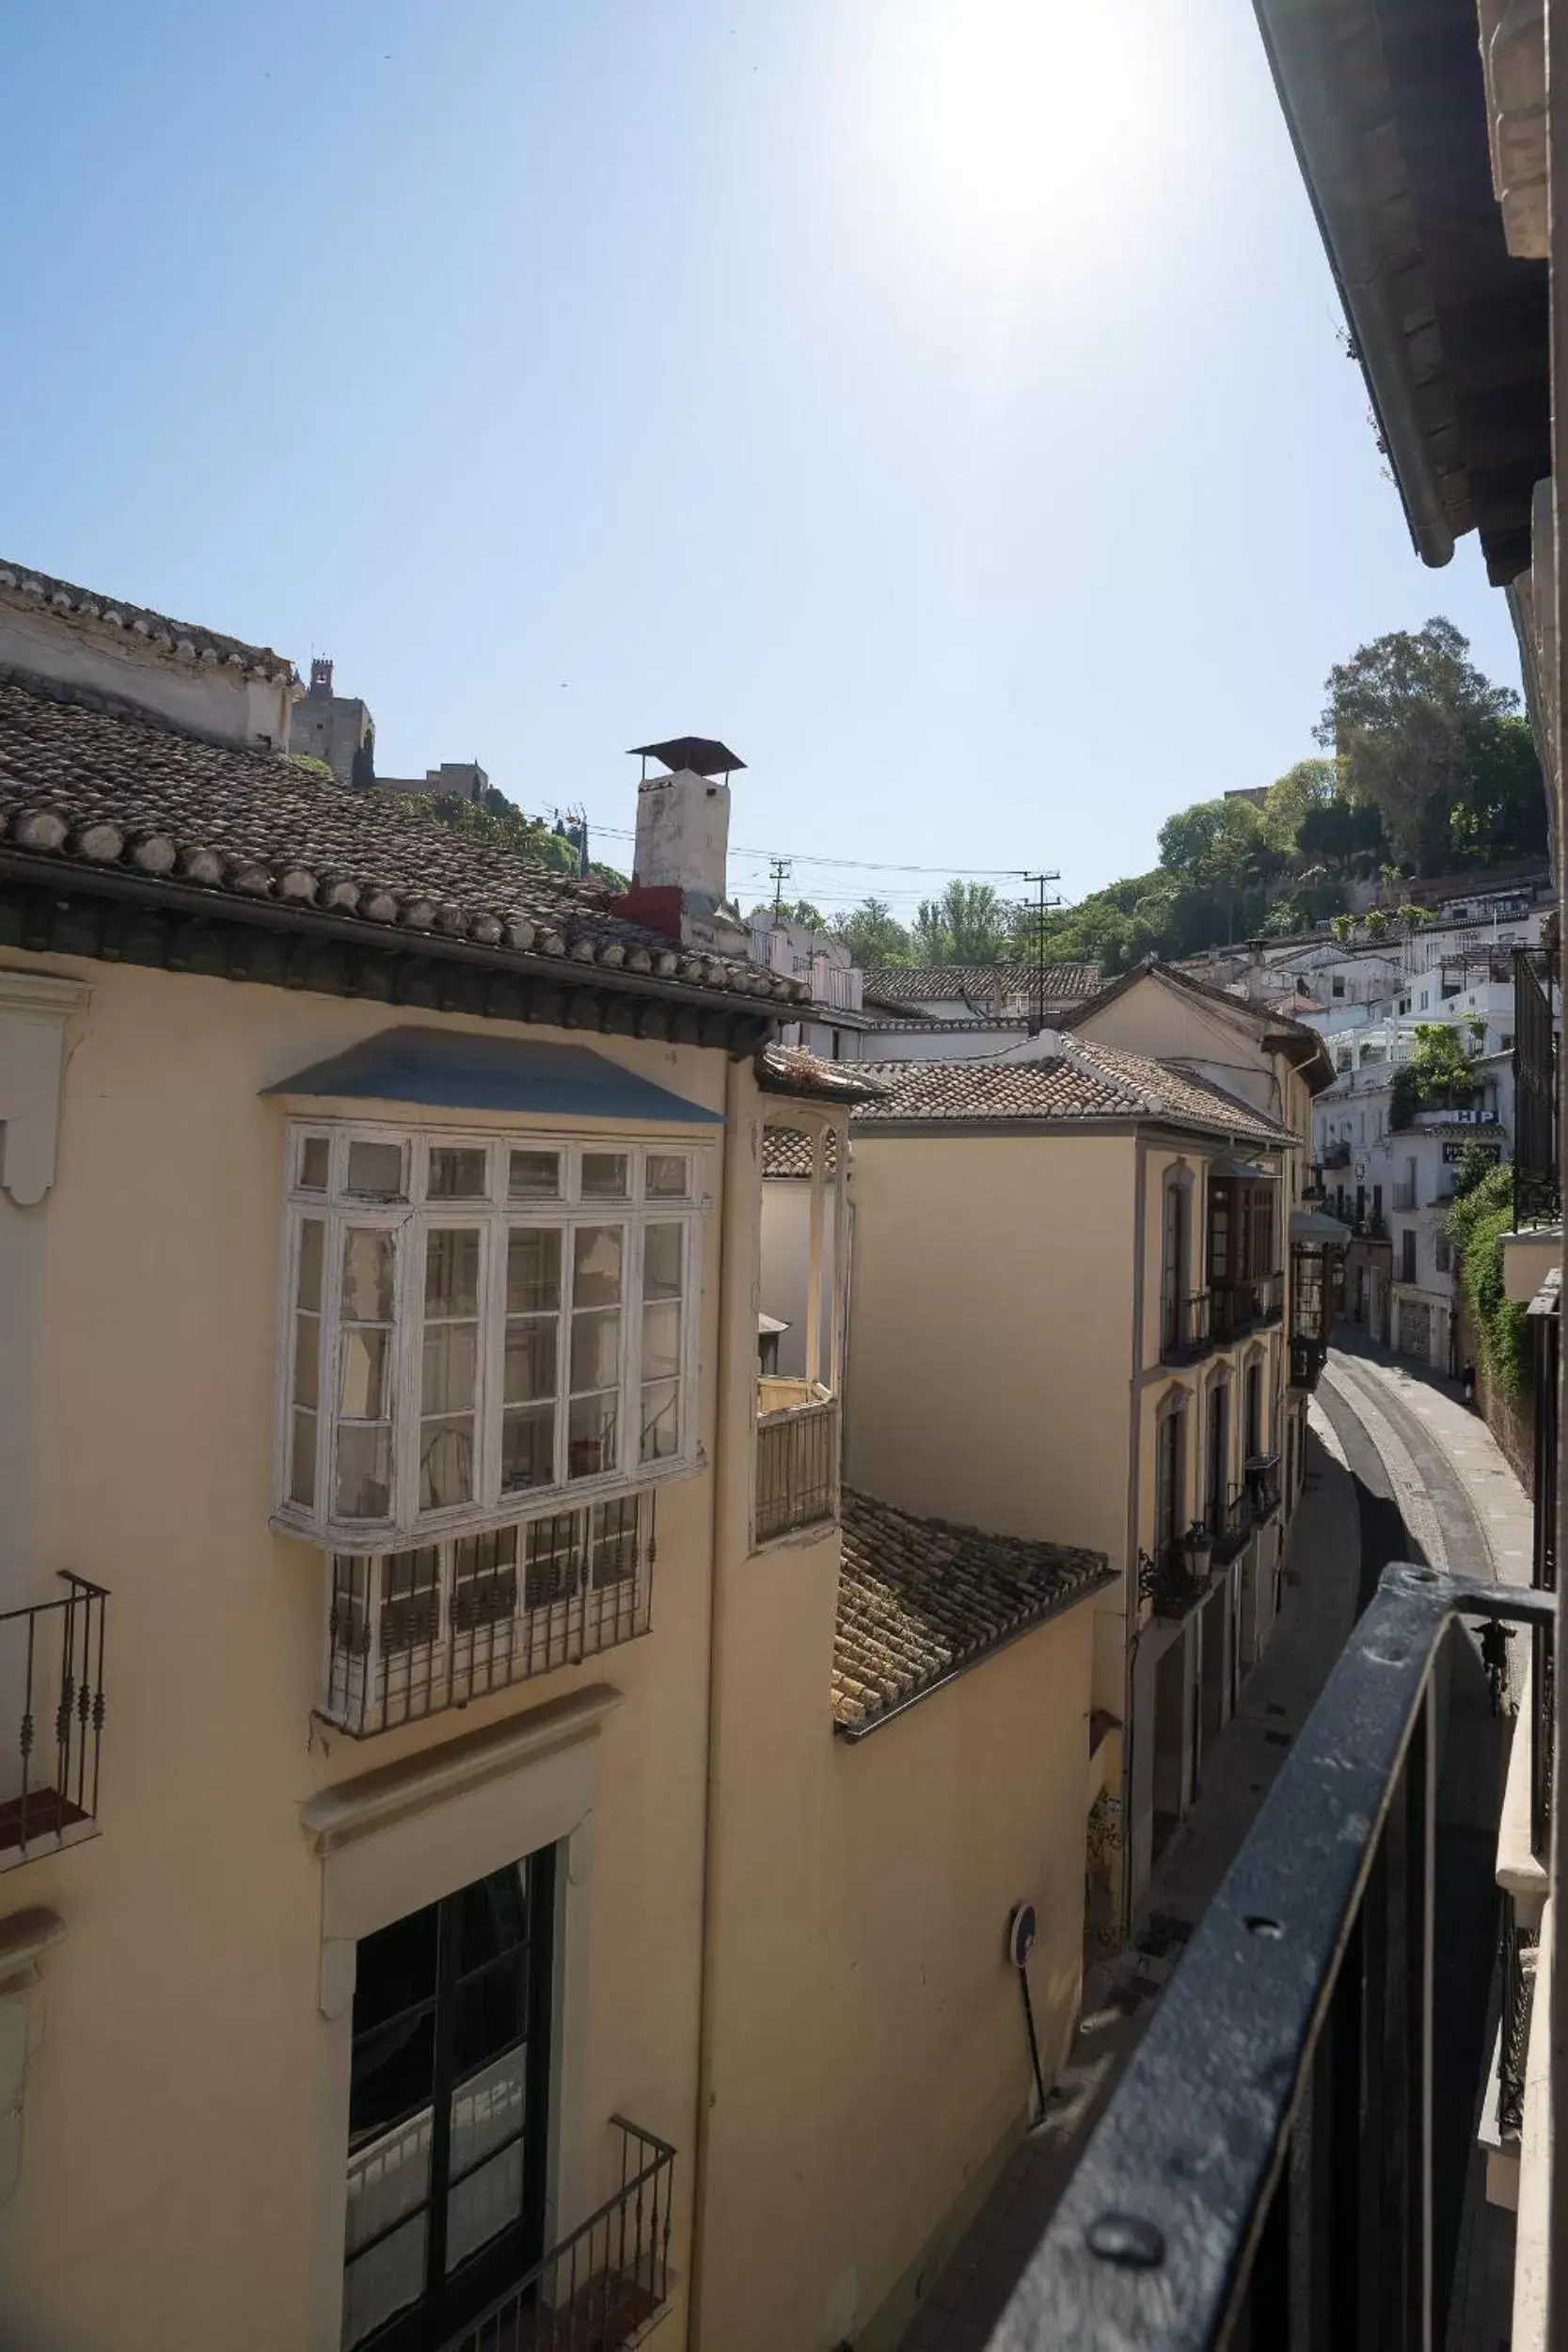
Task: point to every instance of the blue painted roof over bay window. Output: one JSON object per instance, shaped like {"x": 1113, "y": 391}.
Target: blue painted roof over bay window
{"x": 456, "y": 1072}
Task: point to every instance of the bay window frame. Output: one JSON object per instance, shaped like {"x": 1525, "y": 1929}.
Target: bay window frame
{"x": 494, "y": 1215}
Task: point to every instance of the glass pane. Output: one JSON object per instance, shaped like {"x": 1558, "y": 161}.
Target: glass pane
{"x": 597, "y": 1265}
{"x": 307, "y": 1288}
{"x": 313, "y": 1156}
{"x": 488, "y": 2109}
{"x": 531, "y": 1360}
{"x": 382, "y": 2282}
{"x": 375, "y": 1171}
{"x": 604, "y": 1175}
{"x": 489, "y": 2012}
{"x": 367, "y": 1275}
{"x": 366, "y": 1361}
{"x": 302, "y": 1470}
{"x": 450, "y": 1354}
{"x": 492, "y": 1918}
{"x": 661, "y": 1262}
{"x": 533, "y": 1270}
{"x": 664, "y": 1176}
{"x": 446, "y": 1463}
{"x": 590, "y": 1435}
{"x": 364, "y": 1470}
{"x": 661, "y": 1341}
{"x": 528, "y": 1448}
{"x": 661, "y": 1421}
{"x": 452, "y": 1272}
{"x": 395, "y": 1968}
{"x": 597, "y": 1349}
{"x": 453, "y": 1174}
{"x": 307, "y": 1360}
{"x": 487, "y": 2202}
{"x": 534, "y": 1176}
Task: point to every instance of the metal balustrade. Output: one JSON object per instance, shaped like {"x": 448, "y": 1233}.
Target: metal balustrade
{"x": 1186, "y": 1330}
{"x": 605, "y": 2284}
{"x": 52, "y": 1691}
{"x": 797, "y": 1462}
{"x": 1263, "y": 2173}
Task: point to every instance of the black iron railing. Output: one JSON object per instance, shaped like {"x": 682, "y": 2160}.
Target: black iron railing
{"x": 1307, "y": 1359}
{"x": 600, "y": 2287}
{"x": 411, "y": 1633}
{"x": 1335, "y": 1154}
{"x": 1537, "y": 1189}
{"x": 1185, "y": 1329}
{"x": 1241, "y": 1307}
{"x": 1232, "y": 1526}
{"x": 1517, "y": 1963}
{"x": 797, "y": 1468}
{"x": 1546, "y": 1332}
{"x": 1261, "y": 2175}
{"x": 1262, "y": 1488}
{"x": 1175, "y": 1576}
{"x": 52, "y": 1689}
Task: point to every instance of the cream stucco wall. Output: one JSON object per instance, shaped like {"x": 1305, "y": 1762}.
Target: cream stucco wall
{"x": 179, "y": 2123}
{"x": 871, "y": 2064}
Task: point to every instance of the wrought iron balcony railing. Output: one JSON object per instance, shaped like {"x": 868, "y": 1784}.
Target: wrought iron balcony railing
{"x": 1262, "y": 2172}
{"x": 603, "y": 2286}
{"x": 1232, "y": 1526}
{"x": 1244, "y": 1305}
{"x": 1309, "y": 1356}
{"x": 52, "y": 1692}
{"x": 1404, "y": 1200}
{"x": 1262, "y": 1488}
{"x": 1185, "y": 1329}
{"x": 797, "y": 1458}
{"x": 1174, "y": 1576}
{"x": 409, "y": 1633}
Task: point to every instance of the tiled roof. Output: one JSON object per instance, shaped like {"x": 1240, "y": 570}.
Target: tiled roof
{"x": 786, "y": 1152}
{"x": 1264, "y": 1021}
{"x": 791, "y": 1070}
{"x": 907, "y": 984}
{"x": 97, "y": 786}
{"x": 1065, "y": 1078}
{"x": 922, "y": 1600}
{"x": 184, "y": 639}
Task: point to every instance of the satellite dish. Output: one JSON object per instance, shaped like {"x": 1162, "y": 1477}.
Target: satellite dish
{"x": 1021, "y": 1934}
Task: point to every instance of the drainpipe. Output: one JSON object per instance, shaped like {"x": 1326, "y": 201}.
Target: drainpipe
{"x": 1131, "y": 1628}
{"x": 736, "y": 1379}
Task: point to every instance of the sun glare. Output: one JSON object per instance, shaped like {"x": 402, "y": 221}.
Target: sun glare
{"x": 1000, "y": 134}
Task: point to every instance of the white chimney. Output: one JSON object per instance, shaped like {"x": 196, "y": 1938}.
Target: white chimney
{"x": 683, "y": 839}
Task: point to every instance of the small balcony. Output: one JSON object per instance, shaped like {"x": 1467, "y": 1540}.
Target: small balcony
{"x": 52, "y": 1694}
{"x": 604, "y": 2286}
{"x": 1175, "y": 1578}
{"x": 1335, "y": 1154}
{"x": 1262, "y": 1488}
{"x": 1248, "y": 1305}
{"x": 1185, "y": 1329}
{"x": 1232, "y": 1526}
{"x": 411, "y": 1633}
{"x": 1308, "y": 1355}
{"x": 798, "y": 1456}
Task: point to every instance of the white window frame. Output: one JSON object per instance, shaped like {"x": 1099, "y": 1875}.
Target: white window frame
{"x": 411, "y": 1221}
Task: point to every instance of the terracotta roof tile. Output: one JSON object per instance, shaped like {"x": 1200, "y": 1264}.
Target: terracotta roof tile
{"x": 96, "y": 785}
{"x": 921, "y": 1599}
{"x": 1066, "y": 1078}
{"x": 184, "y": 639}
{"x": 786, "y": 1153}
{"x": 940, "y": 983}
{"x": 791, "y": 1070}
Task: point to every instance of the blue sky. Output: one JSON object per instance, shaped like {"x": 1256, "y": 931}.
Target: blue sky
{"x": 939, "y": 399}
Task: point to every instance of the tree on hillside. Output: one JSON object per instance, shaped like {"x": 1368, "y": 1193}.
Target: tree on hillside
{"x": 970, "y": 923}
{"x": 1504, "y": 811}
{"x": 873, "y": 934}
{"x": 1294, "y": 797}
{"x": 1406, "y": 718}
{"x": 1221, "y": 848}
{"x": 1344, "y": 835}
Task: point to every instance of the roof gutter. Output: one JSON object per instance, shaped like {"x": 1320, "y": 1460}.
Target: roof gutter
{"x": 1328, "y": 151}
{"x": 1057, "y": 1607}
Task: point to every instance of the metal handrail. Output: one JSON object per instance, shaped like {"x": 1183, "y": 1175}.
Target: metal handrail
{"x": 49, "y": 1795}
{"x": 1243, "y": 2172}
{"x": 646, "y": 2190}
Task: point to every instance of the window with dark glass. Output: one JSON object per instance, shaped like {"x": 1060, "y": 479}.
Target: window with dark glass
{"x": 449, "y": 2102}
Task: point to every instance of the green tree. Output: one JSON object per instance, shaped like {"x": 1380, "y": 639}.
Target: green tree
{"x": 1294, "y": 797}
{"x": 970, "y": 923}
{"x": 873, "y": 934}
{"x": 1439, "y": 1073}
{"x": 1503, "y": 813}
{"x": 1404, "y": 717}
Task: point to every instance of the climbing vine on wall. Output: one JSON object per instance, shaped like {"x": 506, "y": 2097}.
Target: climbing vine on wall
{"x": 1479, "y": 1217}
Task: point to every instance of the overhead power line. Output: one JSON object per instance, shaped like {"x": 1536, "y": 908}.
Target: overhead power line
{"x": 859, "y": 865}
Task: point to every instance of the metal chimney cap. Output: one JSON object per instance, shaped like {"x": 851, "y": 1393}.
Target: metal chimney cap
{"x": 700, "y": 753}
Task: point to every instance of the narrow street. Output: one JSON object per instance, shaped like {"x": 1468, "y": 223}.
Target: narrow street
{"x": 1395, "y": 1467}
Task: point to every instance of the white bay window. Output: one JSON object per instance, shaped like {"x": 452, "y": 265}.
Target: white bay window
{"x": 478, "y": 1327}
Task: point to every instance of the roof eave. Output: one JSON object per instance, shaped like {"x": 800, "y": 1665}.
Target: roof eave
{"x": 1059, "y": 1606}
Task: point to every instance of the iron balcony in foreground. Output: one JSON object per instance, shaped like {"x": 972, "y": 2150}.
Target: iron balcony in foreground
{"x": 51, "y": 1694}
{"x": 1262, "y": 2175}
